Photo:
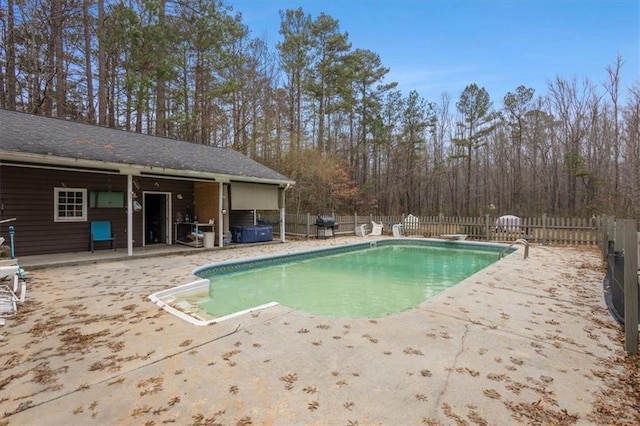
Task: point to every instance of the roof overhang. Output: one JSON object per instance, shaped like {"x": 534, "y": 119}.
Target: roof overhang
{"x": 92, "y": 166}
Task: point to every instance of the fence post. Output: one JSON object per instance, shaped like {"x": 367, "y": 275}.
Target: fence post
{"x": 308, "y": 224}
{"x": 355, "y": 221}
{"x": 544, "y": 229}
{"x": 611, "y": 229}
{"x": 630, "y": 286}
{"x": 602, "y": 235}
{"x": 605, "y": 236}
{"x": 487, "y": 227}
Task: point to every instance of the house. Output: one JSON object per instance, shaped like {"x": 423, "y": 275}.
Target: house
{"x": 58, "y": 176}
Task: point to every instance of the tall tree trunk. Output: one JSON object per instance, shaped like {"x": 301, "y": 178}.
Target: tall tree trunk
{"x": 613, "y": 86}
{"x": 103, "y": 79}
{"x": 298, "y": 123}
{"x": 11, "y": 58}
{"x": 46, "y": 107}
{"x": 161, "y": 111}
{"x": 88, "y": 31}
{"x": 140, "y": 108}
{"x": 58, "y": 51}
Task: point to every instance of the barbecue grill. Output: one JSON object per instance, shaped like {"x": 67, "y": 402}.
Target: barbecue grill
{"x": 326, "y": 226}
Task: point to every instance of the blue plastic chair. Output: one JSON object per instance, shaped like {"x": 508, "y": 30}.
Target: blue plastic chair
{"x": 101, "y": 231}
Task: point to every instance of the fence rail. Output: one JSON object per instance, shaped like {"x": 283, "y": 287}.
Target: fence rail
{"x": 542, "y": 230}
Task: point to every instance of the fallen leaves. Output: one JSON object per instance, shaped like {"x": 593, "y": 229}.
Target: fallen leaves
{"x": 491, "y": 393}
{"x": 411, "y": 351}
{"x": 310, "y": 389}
{"x": 289, "y": 380}
{"x": 150, "y": 386}
{"x": 75, "y": 341}
{"x": 538, "y": 412}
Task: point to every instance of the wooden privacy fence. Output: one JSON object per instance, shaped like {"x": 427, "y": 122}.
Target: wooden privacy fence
{"x": 620, "y": 242}
{"x": 542, "y": 230}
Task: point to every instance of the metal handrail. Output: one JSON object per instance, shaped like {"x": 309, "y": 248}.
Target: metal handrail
{"x": 519, "y": 240}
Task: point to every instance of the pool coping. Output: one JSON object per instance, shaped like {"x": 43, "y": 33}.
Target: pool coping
{"x": 164, "y": 298}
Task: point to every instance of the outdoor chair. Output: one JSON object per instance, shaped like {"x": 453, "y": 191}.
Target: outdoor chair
{"x": 376, "y": 228}
{"x": 101, "y": 231}
{"x": 361, "y": 230}
{"x": 12, "y": 293}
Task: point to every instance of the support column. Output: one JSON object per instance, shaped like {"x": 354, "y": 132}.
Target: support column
{"x": 281, "y": 204}
{"x": 129, "y": 215}
{"x": 220, "y": 214}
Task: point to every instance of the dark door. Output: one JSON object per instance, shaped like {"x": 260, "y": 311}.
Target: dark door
{"x": 155, "y": 218}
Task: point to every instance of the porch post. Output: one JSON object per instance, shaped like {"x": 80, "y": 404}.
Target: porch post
{"x": 129, "y": 215}
{"x": 220, "y": 214}
{"x": 282, "y": 214}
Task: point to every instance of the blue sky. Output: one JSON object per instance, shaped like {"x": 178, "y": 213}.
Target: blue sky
{"x": 437, "y": 46}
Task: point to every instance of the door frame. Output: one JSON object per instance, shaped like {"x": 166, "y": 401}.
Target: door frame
{"x": 167, "y": 217}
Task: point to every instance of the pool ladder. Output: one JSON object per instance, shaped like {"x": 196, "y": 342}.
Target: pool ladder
{"x": 518, "y": 241}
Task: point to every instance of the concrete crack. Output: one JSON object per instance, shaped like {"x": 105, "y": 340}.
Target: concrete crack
{"x": 453, "y": 367}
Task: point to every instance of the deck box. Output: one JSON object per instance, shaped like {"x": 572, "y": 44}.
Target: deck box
{"x": 251, "y": 234}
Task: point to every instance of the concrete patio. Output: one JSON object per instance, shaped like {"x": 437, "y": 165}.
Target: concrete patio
{"x": 523, "y": 341}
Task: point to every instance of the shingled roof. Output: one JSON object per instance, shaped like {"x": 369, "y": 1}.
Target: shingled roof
{"x": 46, "y": 137}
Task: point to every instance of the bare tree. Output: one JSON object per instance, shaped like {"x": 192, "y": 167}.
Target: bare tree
{"x": 630, "y": 167}
{"x": 570, "y": 101}
{"x": 9, "y": 100}
{"x": 613, "y": 88}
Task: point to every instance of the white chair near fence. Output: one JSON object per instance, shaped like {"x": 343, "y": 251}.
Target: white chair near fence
{"x": 376, "y": 228}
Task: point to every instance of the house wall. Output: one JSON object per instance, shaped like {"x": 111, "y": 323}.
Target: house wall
{"x": 206, "y": 201}
{"x": 28, "y": 195}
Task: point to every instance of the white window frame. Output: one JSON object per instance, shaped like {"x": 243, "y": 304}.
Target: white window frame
{"x": 56, "y": 205}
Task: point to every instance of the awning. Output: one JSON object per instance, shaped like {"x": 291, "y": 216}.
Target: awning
{"x": 253, "y": 196}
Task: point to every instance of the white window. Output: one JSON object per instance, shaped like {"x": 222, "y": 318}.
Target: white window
{"x": 70, "y": 205}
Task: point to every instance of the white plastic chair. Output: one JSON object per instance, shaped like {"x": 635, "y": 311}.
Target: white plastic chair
{"x": 9, "y": 292}
{"x": 361, "y": 230}
{"x": 13, "y": 292}
{"x": 376, "y": 228}
{"x": 410, "y": 225}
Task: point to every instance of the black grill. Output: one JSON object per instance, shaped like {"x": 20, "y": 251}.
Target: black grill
{"x": 325, "y": 221}
{"x": 326, "y": 226}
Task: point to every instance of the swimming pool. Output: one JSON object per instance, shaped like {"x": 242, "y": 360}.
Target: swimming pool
{"x": 355, "y": 280}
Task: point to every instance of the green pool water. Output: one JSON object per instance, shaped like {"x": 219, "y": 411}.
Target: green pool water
{"x": 365, "y": 283}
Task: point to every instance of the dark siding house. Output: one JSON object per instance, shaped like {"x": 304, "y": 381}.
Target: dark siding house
{"x": 58, "y": 176}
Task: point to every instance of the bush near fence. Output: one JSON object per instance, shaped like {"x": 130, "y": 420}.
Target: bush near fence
{"x": 541, "y": 230}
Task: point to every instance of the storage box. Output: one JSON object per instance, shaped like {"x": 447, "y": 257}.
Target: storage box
{"x": 251, "y": 234}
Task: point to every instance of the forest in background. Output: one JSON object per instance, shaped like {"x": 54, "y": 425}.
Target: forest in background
{"x": 322, "y": 111}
